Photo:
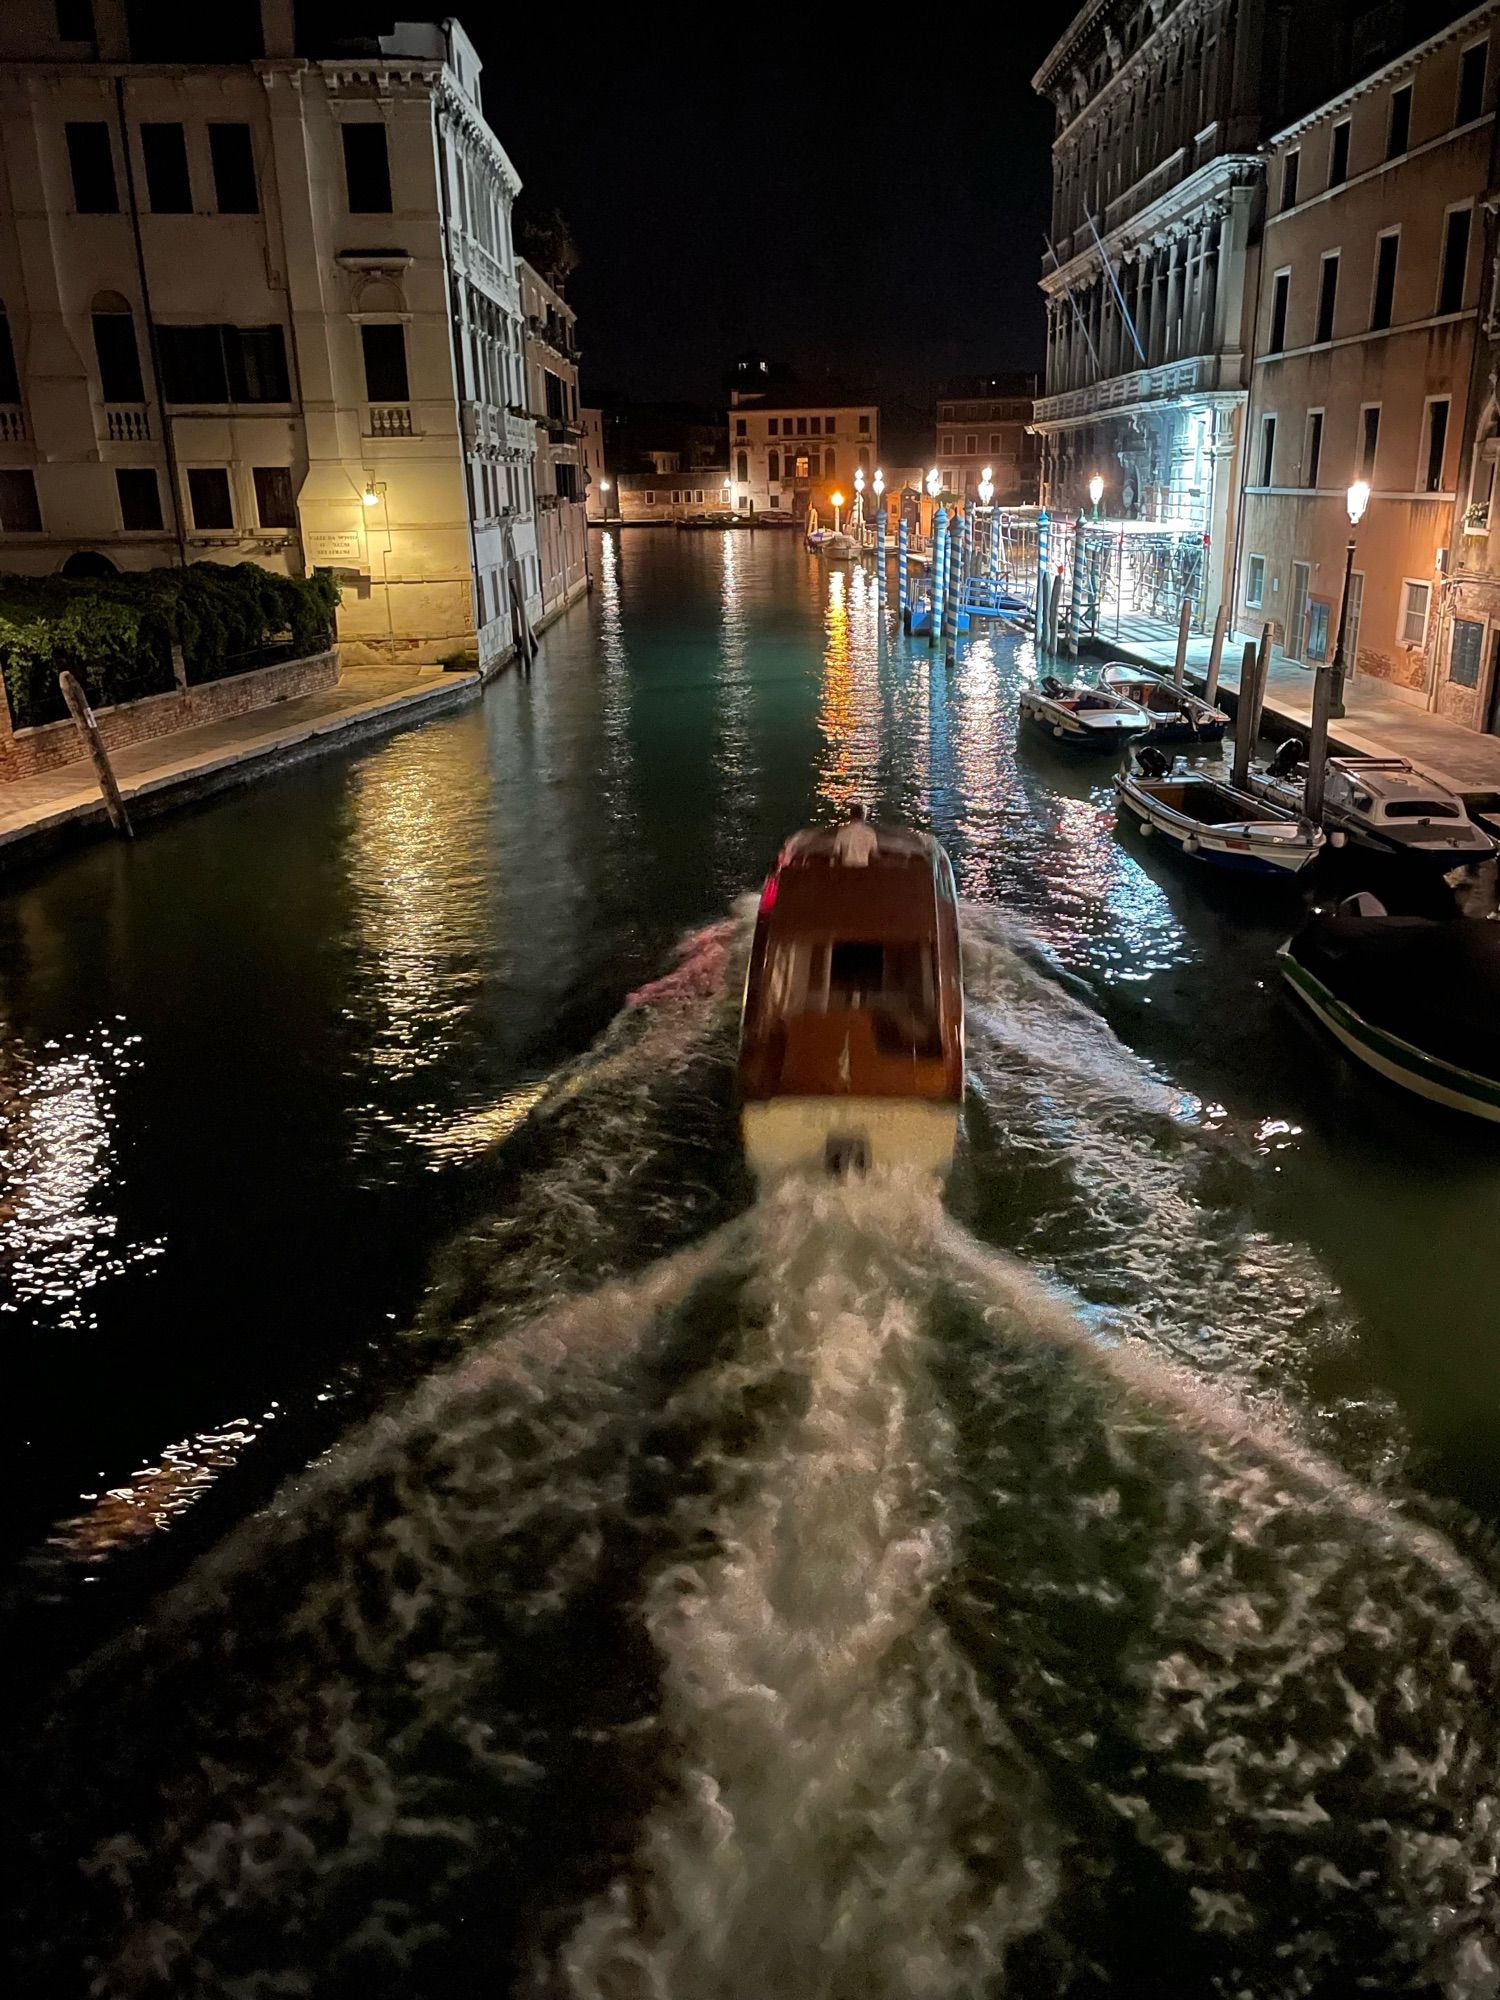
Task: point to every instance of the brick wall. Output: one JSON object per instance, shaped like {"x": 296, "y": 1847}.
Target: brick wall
{"x": 28, "y": 753}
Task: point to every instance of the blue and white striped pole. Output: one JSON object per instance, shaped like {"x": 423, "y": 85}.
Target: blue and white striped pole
{"x": 995, "y": 527}
{"x": 1043, "y": 537}
{"x": 1075, "y": 608}
{"x": 954, "y": 595}
{"x": 939, "y": 554}
{"x": 903, "y": 591}
{"x": 879, "y": 553}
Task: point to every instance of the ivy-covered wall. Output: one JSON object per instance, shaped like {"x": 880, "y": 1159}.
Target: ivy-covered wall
{"x": 116, "y": 633}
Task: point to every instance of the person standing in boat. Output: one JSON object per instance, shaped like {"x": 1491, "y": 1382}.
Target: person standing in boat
{"x": 856, "y": 841}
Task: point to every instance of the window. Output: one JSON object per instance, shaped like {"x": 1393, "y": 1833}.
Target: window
{"x": 1313, "y": 455}
{"x": 233, "y": 159}
{"x": 773, "y": 466}
{"x": 1281, "y": 286}
{"x": 770, "y": 427}
{"x": 1255, "y": 582}
{"x": 367, "y": 169}
{"x": 208, "y": 496}
{"x": 385, "y": 363}
{"x": 739, "y": 427}
{"x": 1398, "y": 127}
{"x": 864, "y": 425}
{"x": 994, "y": 440}
{"x": 92, "y": 165}
{"x": 1295, "y": 635}
{"x": 19, "y": 512}
{"x": 1455, "y": 261}
{"x": 829, "y": 467}
{"x": 802, "y": 427}
{"x": 1383, "y": 303}
{"x": 1289, "y": 168}
{"x": 1434, "y": 445}
{"x": 742, "y": 467}
{"x": 971, "y": 445}
{"x": 140, "y": 499}
{"x": 223, "y": 364}
{"x": 1328, "y": 292}
{"x": 75, "y": 20}
{"x": 815, "y": 426}
{"x": 274, "y": 505}
{"x": 864, "y": 458}
{"x": 169, "y": 187}
{"x": 1463, "y": 656}
{"x": 802, "y": 466}
{"x": 119, "y": 362}
{"x": 10, "y": 384}
{"x": 1413, "y": 627}
{"x": 650, "y": 499}
{"x": 1369, "y": 440}
{"x": 1317, "y": 628}
{"x": 945, "y": 446}
{"x": 1267, "y": 449}
{"x": 1471, "y": 66}
{"x": 1338, "y": 154}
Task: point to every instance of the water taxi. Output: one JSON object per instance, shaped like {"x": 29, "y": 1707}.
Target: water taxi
{"x": 852, "y": 1037}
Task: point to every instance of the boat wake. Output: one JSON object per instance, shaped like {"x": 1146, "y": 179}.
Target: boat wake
{"x": 825, "y": 1605}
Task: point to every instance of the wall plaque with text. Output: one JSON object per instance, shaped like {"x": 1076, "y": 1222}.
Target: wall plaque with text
{"x": 333, "y": 545}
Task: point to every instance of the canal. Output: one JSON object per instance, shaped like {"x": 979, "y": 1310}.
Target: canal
{"x": 361, "y": 1091}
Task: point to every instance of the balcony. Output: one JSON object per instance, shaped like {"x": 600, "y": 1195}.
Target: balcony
{"x": 1163, "y": 383}
{"x": 127, "y": 423}
{"x": 389, "y": 420}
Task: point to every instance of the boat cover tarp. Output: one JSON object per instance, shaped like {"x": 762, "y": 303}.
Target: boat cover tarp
{"x": 1435, "y": 984}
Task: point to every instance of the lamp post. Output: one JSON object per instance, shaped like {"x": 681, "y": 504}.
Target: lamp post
{"x": 604, "y": 492}
{"x": 836, "y": 501}
{"x": 1096, "y": 493}
{"x": 858, "y": 522}
{"x": 1355, "y": 501}
{"x": 986, "y": 486}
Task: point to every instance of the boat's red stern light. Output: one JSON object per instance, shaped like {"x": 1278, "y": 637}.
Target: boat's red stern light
{"x": 769, "y": 893}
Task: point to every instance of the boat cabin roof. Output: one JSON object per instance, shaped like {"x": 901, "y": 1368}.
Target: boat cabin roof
{"x": 1394, "y": 789}
{"x": 893, "y": 896}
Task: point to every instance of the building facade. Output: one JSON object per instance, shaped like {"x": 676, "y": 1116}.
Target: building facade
{"x": 988, "y": 423}
{"x": 551, "y": 336}
{"x": 598, "y": 487}
{"x": 664, "y": 497}
{"x": 1465, "y": 636}
{"x": 1364, "y": 355}
{"x": 261, "y": 304}
{"x": 791, "y": 449}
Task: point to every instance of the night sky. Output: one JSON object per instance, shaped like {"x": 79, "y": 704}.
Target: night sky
{"x": 860, "y": 205}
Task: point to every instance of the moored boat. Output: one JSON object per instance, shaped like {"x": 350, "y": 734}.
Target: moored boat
{"x": 1213, "y": 822}
{"x": 1087, "y": 718}
{"x": 1414, "y": 998}
{"x": 1384, "y": 804}
{"x": 851, "y": 1041}
{"x": 1177, "y": 715}
{"x": 921, "y": 617}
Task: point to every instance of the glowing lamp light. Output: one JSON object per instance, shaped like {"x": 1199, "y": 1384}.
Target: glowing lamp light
{"x": 986, "y": 486}
{"x": 836, "y": 499}
{"x": 859, "y": 480}
{"x": 1096, "y": 490}
{"x": 370, "y": 497}
{"x": 603, "y": 485}
{"x": 1356, "y": 500}
{"x": 879, "y": 482}
{"x": 934, "y": 482}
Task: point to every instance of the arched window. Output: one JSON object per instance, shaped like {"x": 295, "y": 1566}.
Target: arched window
{"x": 115, "y": 348}
{"x": 830, "y": 466}
{"x": 773, "y": 466}
{"x": 742, "y": 467}
{"x": 864, "y": 458}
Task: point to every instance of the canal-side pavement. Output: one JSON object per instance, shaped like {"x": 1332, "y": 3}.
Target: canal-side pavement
{"x": 39, "y": 814}
{"x": 1377, "y": 722}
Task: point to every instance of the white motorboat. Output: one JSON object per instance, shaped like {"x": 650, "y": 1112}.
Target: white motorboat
{"x": 1214, "y": 823}
{"x": 1085, "y": 718}
{"x": 1177, "y": 714}
{"x": 1382, "y": 803}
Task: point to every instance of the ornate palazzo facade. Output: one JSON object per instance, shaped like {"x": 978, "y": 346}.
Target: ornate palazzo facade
{"x": 1156, "y": 187}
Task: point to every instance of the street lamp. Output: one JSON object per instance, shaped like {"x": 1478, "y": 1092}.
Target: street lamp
{"x": 986, "y": 486}
{"x": 1096, "y": 493}
{"x": 859, "y": 497}
{"x": 836, "y": 501}
{"x": 879, "y": 484}
{"x": 934, "y": 483}
{"x": 1355, "y": 501}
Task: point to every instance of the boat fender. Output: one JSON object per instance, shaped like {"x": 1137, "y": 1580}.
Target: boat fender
{"x": 1057, "y": 729}
{"x": 1190, "y": 844}
{"x": 1338, "y": 837}
{"x": 1145, "y": 826}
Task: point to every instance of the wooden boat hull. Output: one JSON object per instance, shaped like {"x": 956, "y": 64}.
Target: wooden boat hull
{"x": 1399, "y": 1061}
{"x": 1233, "y": 850}
{"x": 797, "y": 1135}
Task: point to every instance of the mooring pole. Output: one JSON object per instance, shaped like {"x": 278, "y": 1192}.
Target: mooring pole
{"x": 953, "y": 595}
{"x": 88, "y": 729}
{"x": 879, "y": 553}
{"x": 1039, "y": 616}
{"x": 1179, "y": 664}
{"x": 1075, "y": 606}
{"x": 1216, "y": 652}
{"x": 1247, "y": 716}
{"x": 939, "y": 555}
{"x": 1324, "y": 690}
{"x": 903, "y": 589}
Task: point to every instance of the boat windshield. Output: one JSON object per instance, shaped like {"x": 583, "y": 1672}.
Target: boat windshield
{"x": 1422, "y": 809}
{"x": 895, "y": 982}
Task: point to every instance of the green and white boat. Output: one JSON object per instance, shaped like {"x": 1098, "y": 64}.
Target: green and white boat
{"x": 1416, "y": 999}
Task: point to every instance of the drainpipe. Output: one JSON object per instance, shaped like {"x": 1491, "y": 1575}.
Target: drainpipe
{"x": 455, "y": 325}
{"x": 151, "y": 349}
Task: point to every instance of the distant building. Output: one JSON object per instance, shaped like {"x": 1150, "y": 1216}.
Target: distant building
{"x": 260, "y": 302}
{"x": 792, "y": 448}
{"x": 663, "y": 497}
{"x": 987, "y": 422}
{"x": 1372, "y": 262}
{"x": 552, "y": 403}
{"x": 598, "y": 486}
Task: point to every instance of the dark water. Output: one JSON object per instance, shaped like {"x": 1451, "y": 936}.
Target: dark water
{"x": 831, "y": 1595}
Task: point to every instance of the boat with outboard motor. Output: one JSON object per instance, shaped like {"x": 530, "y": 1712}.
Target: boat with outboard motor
{"x": 1086, "y": 718}
{"x": 1214, "y": 822}
{"x": 1384, "y": 804}
{"x": 1417, "y": 999}
{"x": 852, "y": 1035}
{"x": 1177, "y": 715}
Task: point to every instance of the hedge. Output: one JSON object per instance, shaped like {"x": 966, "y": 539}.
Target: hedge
{"x": 116, "y": 633}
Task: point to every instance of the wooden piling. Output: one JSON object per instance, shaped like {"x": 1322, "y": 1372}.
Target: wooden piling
{"x": 88, "y": 729}
{"x": 1317, "y": 744}
{"x": 1216, "y": 652}
{"x": 1179, "y": 664}
{"x": 1252, "y": 694}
